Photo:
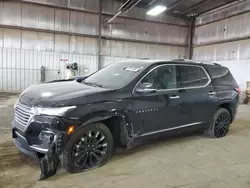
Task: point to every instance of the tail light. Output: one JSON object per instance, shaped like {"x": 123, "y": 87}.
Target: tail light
{"x": 238, "y": 90}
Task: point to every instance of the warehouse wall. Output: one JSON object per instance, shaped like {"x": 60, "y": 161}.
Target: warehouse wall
{"x": 52, "y": 33}
{"x": 223, "y": 36}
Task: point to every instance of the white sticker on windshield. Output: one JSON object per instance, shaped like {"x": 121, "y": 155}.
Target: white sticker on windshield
{"x": 132, "y": 69}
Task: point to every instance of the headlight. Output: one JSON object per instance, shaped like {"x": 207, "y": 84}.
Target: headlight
{"x": 53, "y": 111}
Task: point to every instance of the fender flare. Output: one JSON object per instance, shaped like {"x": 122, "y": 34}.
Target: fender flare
{"x": 227, "y": 101}
{"x": 127, "y": 136}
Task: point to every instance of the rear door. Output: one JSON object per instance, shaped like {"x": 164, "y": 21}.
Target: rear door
{"x": 197, "y": 95}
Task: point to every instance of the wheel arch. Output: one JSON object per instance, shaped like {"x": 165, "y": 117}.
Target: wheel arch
{"x": 227, "y": 105}
{"x": 118, "y": 124}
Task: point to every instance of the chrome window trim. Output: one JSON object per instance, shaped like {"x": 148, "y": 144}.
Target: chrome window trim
{"x": 170, "y": 129}
{"x": 160, "y": 90}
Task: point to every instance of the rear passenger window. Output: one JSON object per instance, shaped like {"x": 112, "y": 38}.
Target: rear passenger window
{"x": 191, "y": 76}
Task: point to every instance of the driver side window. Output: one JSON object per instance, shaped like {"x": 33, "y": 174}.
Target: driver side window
{"x": 163, "y": 77}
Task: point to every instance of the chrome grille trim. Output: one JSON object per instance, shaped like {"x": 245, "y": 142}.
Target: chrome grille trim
{"x": 23, "y": 116}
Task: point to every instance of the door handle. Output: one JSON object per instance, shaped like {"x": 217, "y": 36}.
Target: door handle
{"x": 212, "y": 93}
{"x": 174, "y": 97}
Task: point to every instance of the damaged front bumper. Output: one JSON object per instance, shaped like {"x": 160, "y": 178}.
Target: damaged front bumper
{"x": 23, "y": 146}
{"x": 36, "y": 140}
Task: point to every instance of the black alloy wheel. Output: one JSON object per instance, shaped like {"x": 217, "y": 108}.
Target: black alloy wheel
{"x": 89, "y": 150}
{"x": 89, "y": 147}
{"x": 221, "y": 125}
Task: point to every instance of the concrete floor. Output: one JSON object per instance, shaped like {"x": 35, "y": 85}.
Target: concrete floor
{"x": 184, "y": 162}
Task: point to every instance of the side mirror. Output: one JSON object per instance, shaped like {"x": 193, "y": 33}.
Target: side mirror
{"x": 80, "y": 78}
{"x": 145, "y": 88}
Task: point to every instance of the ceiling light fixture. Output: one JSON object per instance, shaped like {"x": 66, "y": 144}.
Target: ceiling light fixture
{"x": 156, "y": 10}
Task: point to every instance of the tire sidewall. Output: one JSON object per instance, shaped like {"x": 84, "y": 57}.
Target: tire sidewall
{"x": 67, "y": 161}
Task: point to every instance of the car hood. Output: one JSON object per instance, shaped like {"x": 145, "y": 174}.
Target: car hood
{"x": 59, "y": 94}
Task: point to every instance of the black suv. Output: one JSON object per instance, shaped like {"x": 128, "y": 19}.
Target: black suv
{"x": 122, "y": 104}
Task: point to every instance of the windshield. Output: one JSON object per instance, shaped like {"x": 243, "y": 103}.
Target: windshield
{"x": 115, "y": 76}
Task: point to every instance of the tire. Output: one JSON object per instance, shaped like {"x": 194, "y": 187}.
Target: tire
{"x": 80, "y": 144}
{"x": 220, "y": 124}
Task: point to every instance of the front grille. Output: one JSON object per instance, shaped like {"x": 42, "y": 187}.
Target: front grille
{"x": 23, "y": 115}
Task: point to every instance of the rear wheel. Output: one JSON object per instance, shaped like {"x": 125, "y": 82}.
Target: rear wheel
{"x": 220, "y": 124}
{"x": 90, "y": 147}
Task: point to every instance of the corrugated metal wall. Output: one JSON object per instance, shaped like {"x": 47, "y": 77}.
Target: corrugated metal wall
{"x": 36, "y": 33}
{"x": 223, "y": 36}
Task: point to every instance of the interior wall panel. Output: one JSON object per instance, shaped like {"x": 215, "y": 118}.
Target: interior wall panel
{"x": 146, "y": 31}
{"x": 91, "y": 5}
{"x": 25, "y": 50}
{"x": 140, "y": 13}
{"x": 91, "y": 24}
{"x": 1, "y": 37}
{"x": 30, "y": 40}
{"x": 21, "y": 68}
{"x": 62, "y": 20}
{"x": 238, "y": 50}
{"x": 30, "y": 16}
{"x": 139, "y": 50}
{"x": 46, "y": 41}
{"x": 1, "y": 12}
{"x": 11, "y": 14}
{"x": 62, "y": 3}
{"x": 76, "y": 44}
{"x": 37, "y": 16}
{"x": 77, "y": 22}
{"x": 46, "y": 18}
{"x": 90, "y": 46}
{"x": 231, "y": 28}
{"x": 62, "y": 43}
{"x": 12, "y": 38}
{"x": 226, "y": 12}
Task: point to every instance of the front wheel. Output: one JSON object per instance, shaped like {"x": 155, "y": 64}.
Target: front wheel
{"x": 220, "y": 124}
{"x": 90, "y": 147}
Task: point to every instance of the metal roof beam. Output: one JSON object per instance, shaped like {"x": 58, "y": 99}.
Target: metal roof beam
{"x": 215, "y": 8}
{"x": 194, "y": 6}
{"x": 175, "y": 5}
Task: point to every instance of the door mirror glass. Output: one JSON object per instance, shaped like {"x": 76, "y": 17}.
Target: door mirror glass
{"x": 146, "y": 88}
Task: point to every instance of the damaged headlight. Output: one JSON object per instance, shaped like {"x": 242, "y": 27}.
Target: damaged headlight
{"x": 53, "y": 111}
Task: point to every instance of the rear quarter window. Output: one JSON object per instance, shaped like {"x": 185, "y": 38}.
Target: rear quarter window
{"x": 221, "y": 76}
{"x": 192, "y": 76}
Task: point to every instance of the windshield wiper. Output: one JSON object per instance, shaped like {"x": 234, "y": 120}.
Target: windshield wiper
{"x": 93, "y": 84}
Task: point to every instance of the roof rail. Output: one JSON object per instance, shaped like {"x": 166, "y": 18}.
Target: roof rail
{"x": 211, "y": 63}
{"x": 179, "y": 59}
{"x": 202, "y": 62}
{"x": 186, "y": 60}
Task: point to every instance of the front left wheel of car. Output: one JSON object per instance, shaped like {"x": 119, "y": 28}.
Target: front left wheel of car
{"x": 89, "y": 147}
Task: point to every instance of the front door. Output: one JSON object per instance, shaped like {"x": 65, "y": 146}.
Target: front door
{"x": 198, "y": 100}
{"x": 156, "y": 111}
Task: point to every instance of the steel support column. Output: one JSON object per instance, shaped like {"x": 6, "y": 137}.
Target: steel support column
{"x": 191, "y": 36}
{"x": 100, "y": 36}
